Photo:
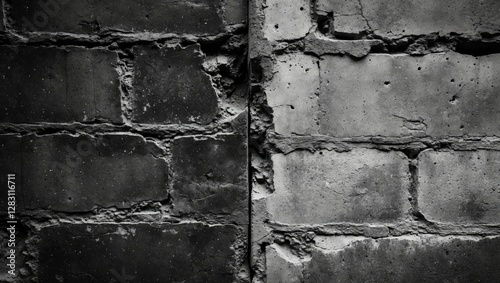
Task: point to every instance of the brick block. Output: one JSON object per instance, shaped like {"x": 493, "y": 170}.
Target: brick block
{"x": 88, "y": 17}
{"x": 405, "y": 259}
{"x": 362, "y": 185}
{"x": 137, "y": 253}
{"x": 171, "y": 87}
{"x": 459, "y": 186}
{"x": 211, "y": 176}
{"x": 391, "y": 95}
{"x": 286, "y": 20}
{"x": 68, "y": 173}
{"x": 58, "y": 85}
{"x": 412, "y": 17}
{"x": 282, "y": 266}
{"x": 293, "y": 94}
{"x": 235, "y": 11}
{"x": 10, "y": 163}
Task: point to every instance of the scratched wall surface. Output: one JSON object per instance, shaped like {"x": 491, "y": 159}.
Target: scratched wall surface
{"x": 125, "y": 124}
{"x": 375, "y": 141}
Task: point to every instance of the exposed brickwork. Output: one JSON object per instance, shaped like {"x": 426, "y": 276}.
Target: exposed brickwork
{"x": 411, "y": 18}
{"x": 373, "y": 140}
{"x": 438, "y": 95}
{"x": 125, "y": 124}
{"x": 374, "y": 136}
{"x": 88, "y": 17}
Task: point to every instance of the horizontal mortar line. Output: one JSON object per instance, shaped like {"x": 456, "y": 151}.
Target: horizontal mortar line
{"x": 93, "y": 222}
{"x": 86, "y": 217}
{"x": 316, "y": 35}
{"x": 383, "y": 147}
{"x": 10, "y": 128}
{"x": 143, "y": 134}
{"x": 392, "y": 225}
{"x": 384, "y": 140}
{"x": 479, "y": 235}
{"x": 111, "y": 36}
{"x": 391, "y": 231}
{"x": 274, "y": 135}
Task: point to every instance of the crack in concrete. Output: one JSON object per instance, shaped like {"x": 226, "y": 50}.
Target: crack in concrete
{"x": 362, "y": 14}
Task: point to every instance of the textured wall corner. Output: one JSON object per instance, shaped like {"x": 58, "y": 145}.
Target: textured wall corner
{"x": 125, "y": 124}
{"x": 374, "y": 141}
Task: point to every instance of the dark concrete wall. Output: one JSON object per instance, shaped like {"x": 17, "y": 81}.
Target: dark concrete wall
{"x": 125, "y": 123}
{"x": 374, "y": 141}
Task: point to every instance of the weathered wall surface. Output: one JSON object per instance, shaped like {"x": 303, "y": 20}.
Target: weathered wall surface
{"x": 125, "y": 124}
{"x": 375, "y": 141}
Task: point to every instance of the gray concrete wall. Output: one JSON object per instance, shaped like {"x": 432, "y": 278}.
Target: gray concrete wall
{"x": 375, "y": 141}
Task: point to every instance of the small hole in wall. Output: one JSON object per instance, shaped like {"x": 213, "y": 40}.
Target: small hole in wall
{"x": 276, "y": 26}
{"x": 70, "y": 199}
{"x": 419, "y": 68}
{"x": 387, "y": 83}
{"x": 302, "y": 8}
{"x": 291, "y": 106}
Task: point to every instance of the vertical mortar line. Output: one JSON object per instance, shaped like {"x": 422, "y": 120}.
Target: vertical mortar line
{"x": 414, "y": 183}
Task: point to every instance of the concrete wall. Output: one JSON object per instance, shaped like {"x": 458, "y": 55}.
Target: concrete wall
{"x": 125, "y": 123}
{"x": 375, "y": 141}
{"x": 371, "y": 152}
